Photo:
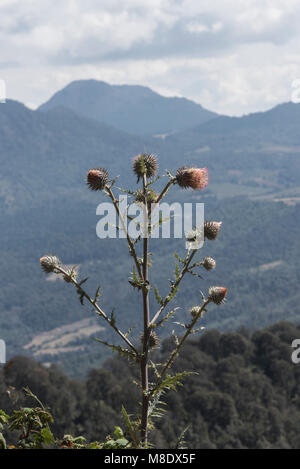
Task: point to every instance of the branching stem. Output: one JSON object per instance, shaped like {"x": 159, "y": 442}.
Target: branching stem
{"x": 99, "y": 311}
{"x": 178, "y": 347}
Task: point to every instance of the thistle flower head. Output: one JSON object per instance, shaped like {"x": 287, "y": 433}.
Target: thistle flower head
{"x": 211, "y": 229}
{"x": 153, "y": 339}
{"x": 209, "y": 263}
{"x": 195, "y": 310}
{"x": 97, "y": 178}
{"x": 145, "y": 163}
{"x": 49, "y": 262}
{"x": 217, "y": 294}
{"x": 195, "y": 178}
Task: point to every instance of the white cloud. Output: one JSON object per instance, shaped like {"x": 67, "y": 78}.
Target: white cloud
{"x": 233, "y": 57}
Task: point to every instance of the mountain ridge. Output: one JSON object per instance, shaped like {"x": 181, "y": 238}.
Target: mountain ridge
{"x": 132, "y": 108}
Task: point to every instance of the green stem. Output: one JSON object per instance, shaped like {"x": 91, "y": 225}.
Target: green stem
{"x": 178, "y": 347}
{"x": 100, "y": 312}
{"x": 176, "y": 285}
{"x": 130, "y": 242}
{"x": 146, "y": 314}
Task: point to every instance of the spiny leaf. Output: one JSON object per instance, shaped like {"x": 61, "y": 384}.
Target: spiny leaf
{"x": 3, "y": 417}
{"x": 156, "y": 409}
{"x": 171, "y": 382}
{"x": 129, "y": 331}
{"x": 153, "y": 181}
{"x": 112, "y": 318}
{"x": 83, "y": 281}
{"x": 154, "y": 366}
{"x": 177, "y": 271}
{"x": 117, "y": 348}
{"x": 81, "y": 295}
{"x": 158, "y": 297}
{"x": 181, "y": 324}
{"x": 199, "y": 329}
{"x": 112, "y": 182}
{"x": 195, "y": 274}
{"x": 126, "y": 191}
{"x": 178, "y": 258}
{"x": 169, "y": 315}
{"x": 97, "y": 294}
{"x": 130, "y": 427}
{"x": 176, "y": 340}
{"x": 180, "y": 442}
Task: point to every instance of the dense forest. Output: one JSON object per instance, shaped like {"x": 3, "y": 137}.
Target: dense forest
{"x": 245, "y": 393}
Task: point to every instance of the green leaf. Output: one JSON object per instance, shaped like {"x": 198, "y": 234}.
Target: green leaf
{"x": 3, "y": 417}
{"x": 169, "y": 315}
{"x": 130, "y": 428}
{"x": 97, "y": 294}
{"x": 112, "y": 318}
{"x": 176, "y": 340}
{"x": 2, "y": 442}
{"x": 47, "y": 435}
{"x": 79, "y": 440}
{"x": 118, "y": 432}
{"x": 171, "y": 382}
{"x": 177, "y": 271}
{"x": 83, "y": 281}
{"x": 181, "y": 324}
{"x": 159, "y": 299}
{"x": 94, "y": 445}
{"x": 117, "y": 348}
{"x": 178, "y": 258}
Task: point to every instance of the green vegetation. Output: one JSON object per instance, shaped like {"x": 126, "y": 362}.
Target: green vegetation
{"x": 245, "y": 393}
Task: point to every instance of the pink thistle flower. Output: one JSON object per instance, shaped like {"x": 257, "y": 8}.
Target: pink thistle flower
{"x": 97, "y": 178}
{"x": 195, "y": 178}
{"x": 217, "y": 294}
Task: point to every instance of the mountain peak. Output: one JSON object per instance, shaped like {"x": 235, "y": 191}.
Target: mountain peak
{"x": 131, "y": 108}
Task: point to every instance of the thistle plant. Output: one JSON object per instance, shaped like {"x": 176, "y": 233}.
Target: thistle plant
{"x": 140, "y": 349}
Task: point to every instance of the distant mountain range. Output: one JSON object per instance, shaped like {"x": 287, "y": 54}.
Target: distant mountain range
{"x": 134, "y": 109}
{"x": 45, "y": 207}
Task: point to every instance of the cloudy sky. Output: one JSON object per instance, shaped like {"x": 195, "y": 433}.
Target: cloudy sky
{"x": 232, "y": 56}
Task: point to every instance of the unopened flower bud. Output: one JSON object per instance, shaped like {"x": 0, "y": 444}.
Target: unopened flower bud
{"x": 49, "y": 262}
{"x": 217, "y": 294}
{"x": 195, "y": 178}
{"x": 211, "y": 229}
{"x": 195, "y": 310}
{"x": 145, "y": 163}
{"x": 153, "y": 339}
{"x": 209, "y": 263}
{"x": 97, "y": 179}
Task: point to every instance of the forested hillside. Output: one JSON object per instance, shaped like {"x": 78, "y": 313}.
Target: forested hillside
{"x": 245, "y": 393}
